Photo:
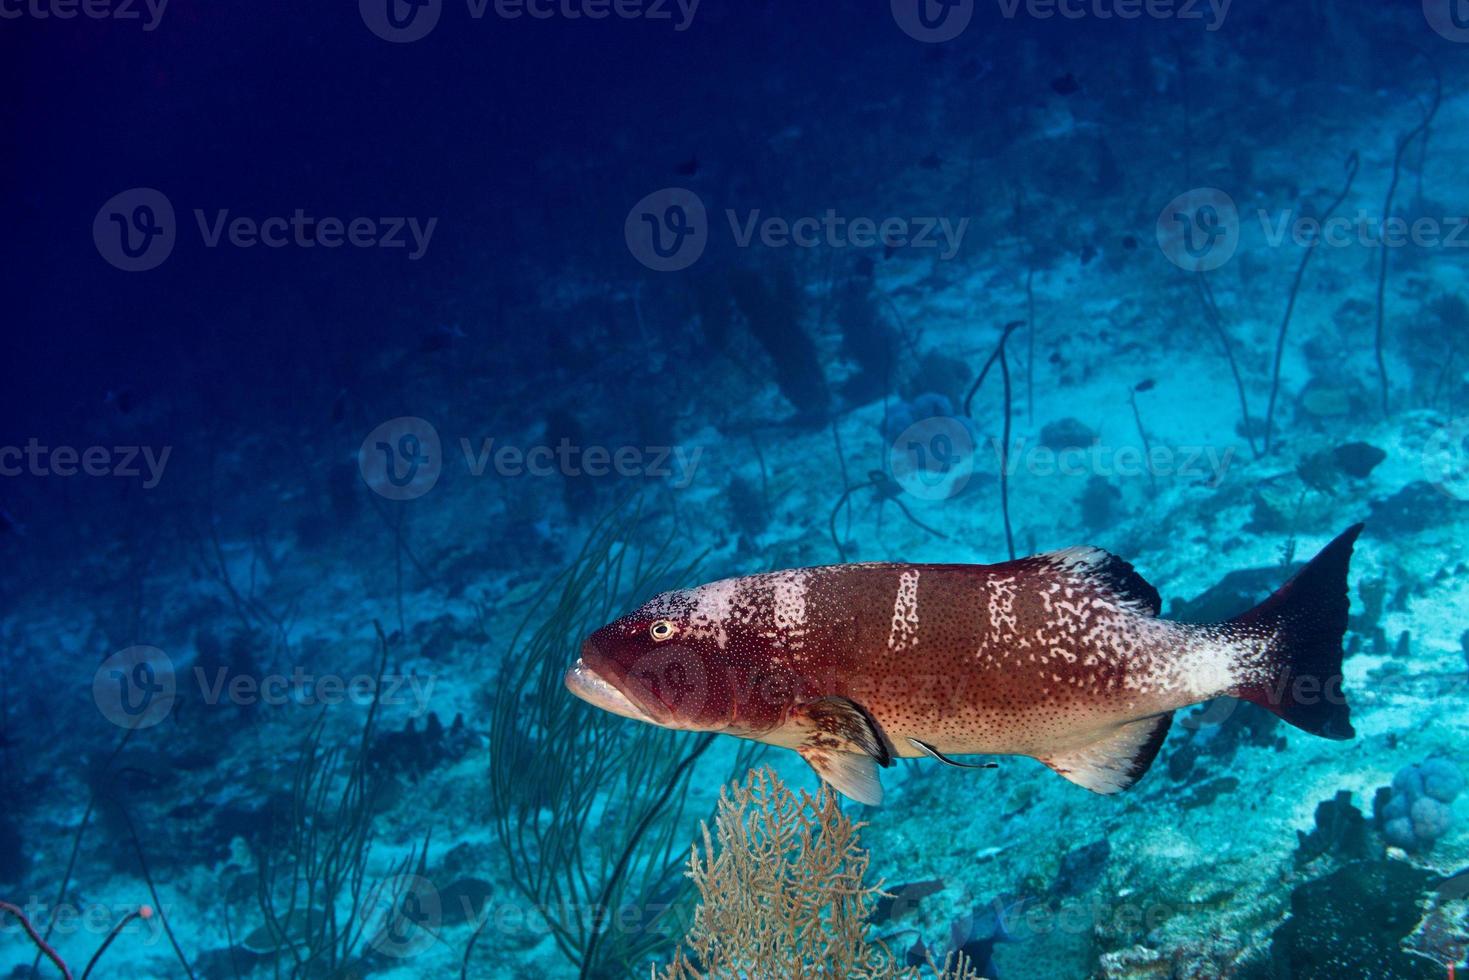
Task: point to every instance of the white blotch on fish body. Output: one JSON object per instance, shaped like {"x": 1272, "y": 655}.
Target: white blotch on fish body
{"x": 788, "y": 606}
{"x": 1000, "y": 621}
{"x": 905, "y": 612}
{"x": 711, "y": 610}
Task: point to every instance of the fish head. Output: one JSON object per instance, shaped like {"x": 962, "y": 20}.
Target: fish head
{"x": 659, "y": 664}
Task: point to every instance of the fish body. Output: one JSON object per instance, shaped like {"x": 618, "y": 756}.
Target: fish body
{"x": 1060, "y": 657}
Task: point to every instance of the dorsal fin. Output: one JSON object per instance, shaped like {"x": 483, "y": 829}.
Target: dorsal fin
{"x": 1110, "y": 574}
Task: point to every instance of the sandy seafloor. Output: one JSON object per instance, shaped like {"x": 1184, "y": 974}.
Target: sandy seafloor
{"x": 1221, "y": 871}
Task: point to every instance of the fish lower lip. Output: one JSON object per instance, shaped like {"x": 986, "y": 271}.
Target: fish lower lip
{"x": 592, "y": 688}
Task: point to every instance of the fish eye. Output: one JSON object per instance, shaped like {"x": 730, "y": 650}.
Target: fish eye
{"x": 661, "y": 630}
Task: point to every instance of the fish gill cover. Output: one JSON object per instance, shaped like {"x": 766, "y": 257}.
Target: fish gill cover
{"x": 453, "y": 451}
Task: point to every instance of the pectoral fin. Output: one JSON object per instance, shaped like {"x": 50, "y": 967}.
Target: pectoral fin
{"x": 843, "y": 744}
{"x": 854, "y": 776}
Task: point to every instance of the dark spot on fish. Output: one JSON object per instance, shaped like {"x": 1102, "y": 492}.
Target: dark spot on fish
{"x": 1066, "y": 84}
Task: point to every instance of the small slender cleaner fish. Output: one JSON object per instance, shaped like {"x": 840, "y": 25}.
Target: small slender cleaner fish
{"x": 1061, "y": 657}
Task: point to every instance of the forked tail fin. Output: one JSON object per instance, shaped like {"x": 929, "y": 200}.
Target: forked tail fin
{"x": 1302, "y": 625}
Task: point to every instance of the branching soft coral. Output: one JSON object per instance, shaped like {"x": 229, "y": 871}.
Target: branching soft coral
{"x": 783, "y": 892}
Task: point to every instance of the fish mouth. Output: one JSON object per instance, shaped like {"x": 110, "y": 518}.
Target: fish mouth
{"x": 594, "y": 689}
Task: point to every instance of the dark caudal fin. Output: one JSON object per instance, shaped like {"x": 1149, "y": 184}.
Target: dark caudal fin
{"x": 1304, "y": 622}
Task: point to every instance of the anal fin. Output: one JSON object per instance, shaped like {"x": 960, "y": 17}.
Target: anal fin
{"x": 1115, "y": 760}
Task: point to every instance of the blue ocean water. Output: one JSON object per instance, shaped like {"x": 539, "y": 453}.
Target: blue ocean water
{"x": 363, "y": 359}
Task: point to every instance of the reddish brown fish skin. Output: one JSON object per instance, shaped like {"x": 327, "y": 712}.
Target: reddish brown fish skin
{"x": 1061, "y": 657}
{"x": 1018, "y": 657}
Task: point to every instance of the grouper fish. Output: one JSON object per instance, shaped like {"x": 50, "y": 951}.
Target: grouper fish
{"x": 1059, "y": 656}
